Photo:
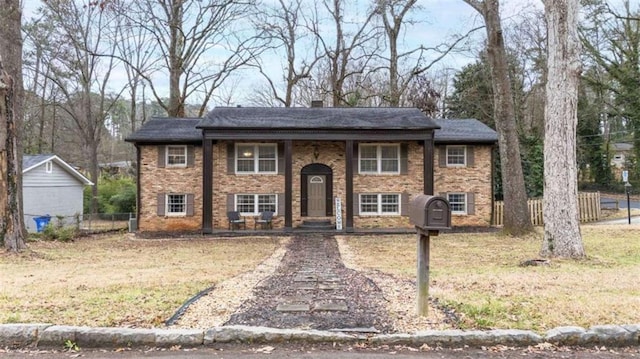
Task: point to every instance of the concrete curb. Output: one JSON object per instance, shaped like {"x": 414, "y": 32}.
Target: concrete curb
{"x": 54, "y": 336}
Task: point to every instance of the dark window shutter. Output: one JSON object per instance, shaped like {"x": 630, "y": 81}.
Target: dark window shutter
{"x": 190, "y": 204}
{"x": 470, "y": 156}
{"x": 442, "y": 157}
{"x": 191, "y": 156}
{"x": 230, "y": 202}
{"x": 404, "y": 163}
{"x": 161, "y": 204}
{"x": 280, "y": 199}
{"x": 231, "y": 158}
{"x": 161, "y": 156}
{"x": 281, "y": 158}
{"x": 471, "y": 203}
{"x": 404, "y": 204}
{"x": 304, "y": 193}
{"x": 355, "y": 159}
{"x": 356, "y": 204}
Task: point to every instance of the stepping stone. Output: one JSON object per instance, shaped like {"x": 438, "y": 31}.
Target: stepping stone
{"x": 329, "y": 286}
{"x": 330, "y": 279}
{"x": 287, "y": 307}
{"x": 297, "y": 299}
{"x": 340, "y": 306}
{"x": 305, "y": 278}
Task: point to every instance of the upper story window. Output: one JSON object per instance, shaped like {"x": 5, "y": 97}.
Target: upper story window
{"x": 456, "y": 155}
{"x": 176, "y": 156}
{"x": 384, "y": 158}
{"x": 256, "y": 158}
{"x": 379, "y": 204}
{"x": 48, "y": 167}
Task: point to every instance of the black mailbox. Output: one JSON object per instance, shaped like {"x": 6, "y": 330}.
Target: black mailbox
{"x": 430, "y": 212}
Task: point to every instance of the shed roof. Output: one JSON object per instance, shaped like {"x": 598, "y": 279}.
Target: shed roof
{"x": 464, "y": 131}
{"x": 29, "y": 162}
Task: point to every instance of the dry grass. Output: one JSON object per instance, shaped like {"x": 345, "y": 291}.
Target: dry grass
{"x": 479, "y": 276}
{"x": 116, "y": 281}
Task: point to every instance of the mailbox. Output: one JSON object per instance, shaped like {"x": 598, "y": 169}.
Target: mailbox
{"x": 430, "y": 212}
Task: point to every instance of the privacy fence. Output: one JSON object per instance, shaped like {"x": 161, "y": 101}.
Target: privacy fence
{"x": 588, "y": 204}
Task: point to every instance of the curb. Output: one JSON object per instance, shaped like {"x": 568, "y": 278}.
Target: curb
{"x": 54, "y": 336}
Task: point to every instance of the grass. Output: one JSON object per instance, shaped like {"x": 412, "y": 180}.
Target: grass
{"x": 479, "y": 276}
{"x": 114, "y": 281}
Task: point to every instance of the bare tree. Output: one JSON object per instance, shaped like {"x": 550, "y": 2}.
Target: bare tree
{"x": 516, "y": 212}
{"x": 561, "y": 220}
{"x": 11, "y": 214}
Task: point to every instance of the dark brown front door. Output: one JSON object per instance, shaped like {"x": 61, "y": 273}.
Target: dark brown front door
{"x": 317, "y": 194}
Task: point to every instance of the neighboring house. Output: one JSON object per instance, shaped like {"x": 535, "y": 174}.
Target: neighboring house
{"x": 621, "y": 153}
{"x": 118, "y": 168}
{"x": 50, "y": 186}
{"x": 297, "y": 161}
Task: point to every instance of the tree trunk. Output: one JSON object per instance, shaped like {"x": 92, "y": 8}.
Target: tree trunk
{"x": 561, "y": 222}
{"x": 176, "y": 105}
{"x": 516, "y": 211}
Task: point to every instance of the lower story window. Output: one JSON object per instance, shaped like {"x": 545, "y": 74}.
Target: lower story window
{"x": 249, "y": 204}
{"x": 380, "y": 203}
{"x": 458, "y": 202}
{"x": 176, "y": 204}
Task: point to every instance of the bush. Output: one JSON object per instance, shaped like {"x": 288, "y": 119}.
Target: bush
{"x": 115, "y": 195}
{"x": 59, "y": 232}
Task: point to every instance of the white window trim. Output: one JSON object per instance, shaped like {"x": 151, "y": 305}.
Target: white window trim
{"x": 166, "y": 156}
{"x": 255, "y": 203}
{"x": 464, "y": 156}
{"x": 48, "y": 167}
{"x": 379, "y": 211}
{"x": 466, "y": 202}
{"x": 166, "y": 205}
{"x": 255, "y": 159}
{"x": 378, "y": 158}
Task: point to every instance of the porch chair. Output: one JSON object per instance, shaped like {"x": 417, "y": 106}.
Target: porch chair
{"x": 264, "y": 220}
{"x": 235, "y": 220}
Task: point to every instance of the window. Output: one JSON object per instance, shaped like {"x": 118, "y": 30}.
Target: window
{"x": 458, "y": 202}
{"x": 252, "y": 204}
{"x": 48, "y": 167}
{"x": 379, "y": 158}
{"x": 176, "y": 156}
{"x": 379, "y": 204}
{"x": 256, "y": 158}
{"x": 176, "y": 205}
{"x": 456, "y": 155}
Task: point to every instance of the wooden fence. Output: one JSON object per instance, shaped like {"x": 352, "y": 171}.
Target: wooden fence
{"x": 588, "y": 203}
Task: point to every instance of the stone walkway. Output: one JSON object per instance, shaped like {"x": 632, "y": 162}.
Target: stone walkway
{"x": 312, "y": 289}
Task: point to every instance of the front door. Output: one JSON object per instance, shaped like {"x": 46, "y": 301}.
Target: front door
{"x": 316, "y": 203}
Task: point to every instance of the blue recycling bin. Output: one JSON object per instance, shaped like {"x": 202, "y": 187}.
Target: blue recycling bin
{"x": 41, "y": 222}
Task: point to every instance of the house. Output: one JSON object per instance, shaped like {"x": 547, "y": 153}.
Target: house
{"x": 304, "y": 163}
{"x": 50, "y": 186}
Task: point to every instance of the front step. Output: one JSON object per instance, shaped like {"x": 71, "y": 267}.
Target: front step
{"x": 317, "y": 224}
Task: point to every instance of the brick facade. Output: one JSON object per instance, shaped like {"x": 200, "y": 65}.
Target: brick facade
{"x": 156, "y": 180}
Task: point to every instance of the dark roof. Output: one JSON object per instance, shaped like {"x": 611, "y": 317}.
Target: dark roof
{"x": 464, "y": 131}
{"x": 163, "y": 129}
{"x": 309, "y": 118}
{"x": 28, "y": 161}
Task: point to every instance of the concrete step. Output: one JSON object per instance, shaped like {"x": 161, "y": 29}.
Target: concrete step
{"x": 317, "y": 224}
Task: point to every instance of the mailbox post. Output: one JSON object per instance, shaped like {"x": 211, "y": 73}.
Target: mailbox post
{"x": 429, "y": 214}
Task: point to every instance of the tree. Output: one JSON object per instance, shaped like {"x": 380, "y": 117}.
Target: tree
{"x": 562, "y": 235}
{"x": 516, "y": 211}
{"x": 12, "y": 226}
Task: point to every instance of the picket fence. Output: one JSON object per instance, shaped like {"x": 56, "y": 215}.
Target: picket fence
{"x": 588, "y": 203}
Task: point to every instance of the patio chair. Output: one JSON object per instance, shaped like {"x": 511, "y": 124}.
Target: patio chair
{"x": 235, "y": 220}
{"x": 264, "y": 220}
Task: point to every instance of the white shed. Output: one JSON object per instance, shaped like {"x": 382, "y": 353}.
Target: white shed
{"x": 50, "y": 186}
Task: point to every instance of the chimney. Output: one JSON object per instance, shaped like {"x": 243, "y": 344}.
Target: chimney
{"x": 317, "y": 103}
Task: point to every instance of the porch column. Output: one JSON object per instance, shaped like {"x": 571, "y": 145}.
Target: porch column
{"x": 427, "y": 159}
{"x": 288, "y": 185}
{"x": 207, "y": 186}
{"x": 349, "y": 185}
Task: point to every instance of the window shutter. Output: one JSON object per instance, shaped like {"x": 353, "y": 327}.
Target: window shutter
{"x": 404, "y": 204}
{"x": 230, "y": 200}
{"x": 190, "y": 156}
{"x": 442, "y": 157}
{"x": 280, "y": 199}
{"x": 470, "y": 156}
{"x": 356, "y": 204}
{"x": 355, "y": 158}
{"x": 231, "y": 158}
{"x": 471, "y": 203}
{"x": 404, "y": 163}
{"x": 280, "y": 158}
{"x": 161, "y": 204}
{"x": 303, "y": 190}
{"x": 161, "y": 156}
{"x": 190, "y": 204}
